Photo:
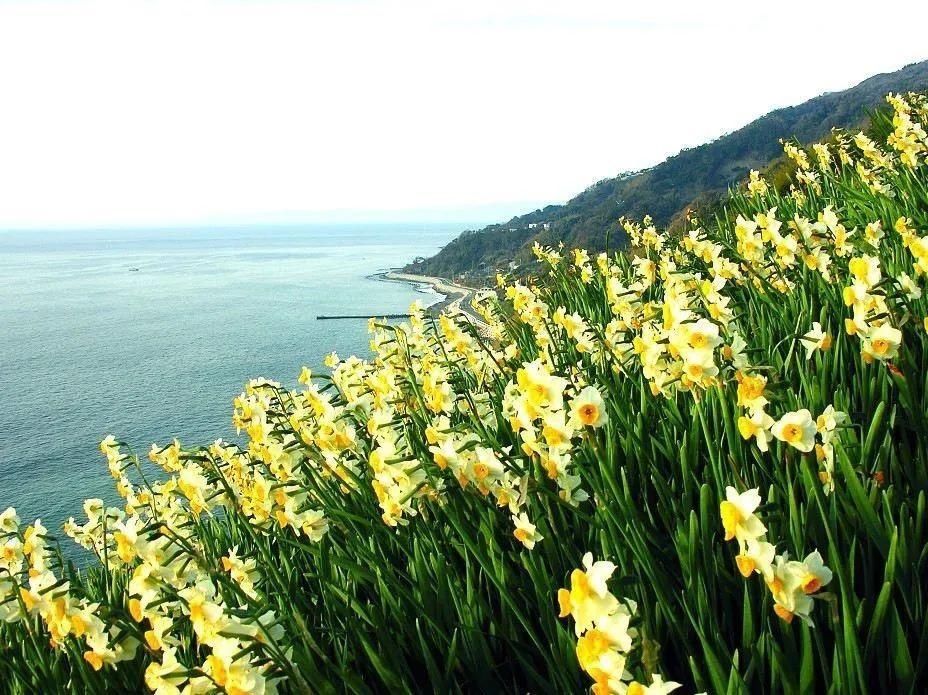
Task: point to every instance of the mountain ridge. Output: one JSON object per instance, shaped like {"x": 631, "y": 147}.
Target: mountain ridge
{"x": 704, "y": 172}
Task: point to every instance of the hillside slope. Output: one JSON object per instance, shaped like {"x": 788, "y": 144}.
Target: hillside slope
{"x": 591, "y": 218}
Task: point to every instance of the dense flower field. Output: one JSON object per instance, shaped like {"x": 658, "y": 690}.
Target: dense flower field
{"x": 700, "y": 465}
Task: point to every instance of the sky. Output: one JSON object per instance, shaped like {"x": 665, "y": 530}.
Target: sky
{"x": 133, "y": 113}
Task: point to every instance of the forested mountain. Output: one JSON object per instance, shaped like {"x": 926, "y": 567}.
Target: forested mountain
{"x": 701, "y": 173}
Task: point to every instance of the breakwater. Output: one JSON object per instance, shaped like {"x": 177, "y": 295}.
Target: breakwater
{"x": 363, "y": 316}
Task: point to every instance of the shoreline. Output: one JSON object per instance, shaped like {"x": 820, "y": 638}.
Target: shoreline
{"x": 454, "y": 298}
{"x": 421, "y": 283}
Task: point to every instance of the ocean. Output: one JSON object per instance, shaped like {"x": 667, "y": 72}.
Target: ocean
{"x": 150, "y": 334}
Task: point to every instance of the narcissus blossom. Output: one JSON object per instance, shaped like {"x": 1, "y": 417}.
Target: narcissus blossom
{"x": 525, "y": 532}
{"x": 588, "y": 408}
{"x": 738, "y": 518}
{"x": 796, "y": 429}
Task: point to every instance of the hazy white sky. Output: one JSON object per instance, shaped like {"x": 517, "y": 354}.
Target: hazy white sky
{"x": 150, "y": 113}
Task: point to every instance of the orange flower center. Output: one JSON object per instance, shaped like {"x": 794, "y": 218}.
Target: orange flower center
{"x": 589, "y": 413}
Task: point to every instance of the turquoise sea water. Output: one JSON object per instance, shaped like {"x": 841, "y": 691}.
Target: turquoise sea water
{"x": 89, "y": 347}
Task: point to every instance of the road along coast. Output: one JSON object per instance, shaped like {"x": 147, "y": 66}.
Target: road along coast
{"x": 456, "y": 298}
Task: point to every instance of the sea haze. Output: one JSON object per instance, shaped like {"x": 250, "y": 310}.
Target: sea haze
{"x": 90, "y": 346}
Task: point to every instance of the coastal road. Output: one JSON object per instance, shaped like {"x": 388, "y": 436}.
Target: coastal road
{"x": 457, "y": 296}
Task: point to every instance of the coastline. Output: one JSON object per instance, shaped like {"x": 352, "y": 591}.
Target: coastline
{"x": 455, "y": 299}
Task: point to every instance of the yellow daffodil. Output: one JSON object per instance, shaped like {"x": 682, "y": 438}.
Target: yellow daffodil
{"x": 816, "y": 339}
{"x": 751, "y": 391}
{"x": 882, "y": 343}
{"x": 738, "y": 518}
{"x": 756, "y": 184}
{"x": 796, "y": 429}
{"x": 658, "y": 687}
{"x": 588, "y": 596}
{"x": 588, "y": 409}
{"x": 757, "y": 425}
{"x": 756, "y": 556}
{"x": 166, "y": 677}
{"x": 525, "y": 531}
{"x": 865, "y": 270}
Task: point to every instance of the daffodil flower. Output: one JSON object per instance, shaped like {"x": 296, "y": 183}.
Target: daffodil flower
{"x": 738, "y": 518}
{"x": 796, "y": 429}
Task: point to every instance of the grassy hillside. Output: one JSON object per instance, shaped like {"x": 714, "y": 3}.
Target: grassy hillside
{"x": 702, "y": 466}
{"x": 701, "y": 173}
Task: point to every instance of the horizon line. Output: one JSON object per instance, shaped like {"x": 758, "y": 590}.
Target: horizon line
{"x": 481, "y": 214}
{"x": 230, "y": 225}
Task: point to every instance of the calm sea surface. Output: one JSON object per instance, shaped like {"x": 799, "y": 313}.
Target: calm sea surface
{"x": 89, "y": 347}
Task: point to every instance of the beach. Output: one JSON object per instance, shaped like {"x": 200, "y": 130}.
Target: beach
{"x": 456, "y": 298}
